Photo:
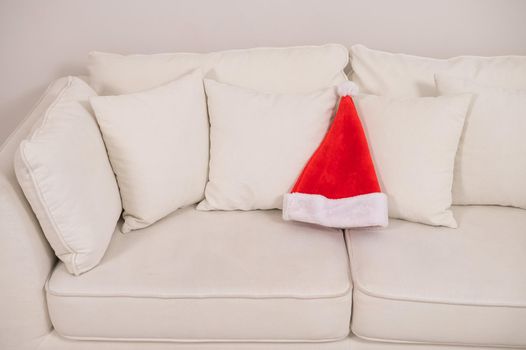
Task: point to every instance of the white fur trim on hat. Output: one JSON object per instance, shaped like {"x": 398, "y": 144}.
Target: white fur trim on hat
{"x": 348, "y": 88}
{"x": 359, "y": 211}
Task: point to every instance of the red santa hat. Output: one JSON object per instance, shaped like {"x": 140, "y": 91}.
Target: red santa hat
{"x": 338, "y": 187}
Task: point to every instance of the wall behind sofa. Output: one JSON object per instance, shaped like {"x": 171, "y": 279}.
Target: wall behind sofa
{"x": 42, "y": 40}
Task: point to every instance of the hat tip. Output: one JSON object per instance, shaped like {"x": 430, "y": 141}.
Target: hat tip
{"x": 348, "y": 88}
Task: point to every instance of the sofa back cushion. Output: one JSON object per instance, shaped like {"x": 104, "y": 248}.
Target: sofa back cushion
{"x": 399, "y": 75}
{"x": 63, "y": 169}
{"x": 279, "y": 70}
{"x": 384, "y": 73}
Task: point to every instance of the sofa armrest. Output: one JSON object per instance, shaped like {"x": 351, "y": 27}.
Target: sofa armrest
{"x": 26, "y": 259}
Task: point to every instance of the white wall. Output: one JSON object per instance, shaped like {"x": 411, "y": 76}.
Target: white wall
{"x": 42, "y": 40}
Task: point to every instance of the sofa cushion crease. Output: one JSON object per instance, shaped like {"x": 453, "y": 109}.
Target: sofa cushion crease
{"x": 388, "y": 343}
{"x": 219, "y": 340}
{"x": 195, "y": 296}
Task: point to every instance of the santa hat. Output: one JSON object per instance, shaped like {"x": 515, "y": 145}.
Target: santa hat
{"x": 338, "y": 187}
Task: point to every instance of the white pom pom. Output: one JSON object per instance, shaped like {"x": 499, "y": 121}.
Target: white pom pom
{"x": 348, "y": 88}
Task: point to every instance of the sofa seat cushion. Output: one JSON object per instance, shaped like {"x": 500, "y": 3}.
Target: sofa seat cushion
{"x": 210, "y": 276}
{"x": 420, "y": 283}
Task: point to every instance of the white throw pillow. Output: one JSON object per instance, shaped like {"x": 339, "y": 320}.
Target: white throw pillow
{"x": 157, "y": 142}
{"x": 297, "y": 69}
{"x": 65, "y": 174}
{"x": 383, "y": 73}
{"x": 491, "y": 161}
{"x": 413, "y": 142}
{"x": 260, "y": 143}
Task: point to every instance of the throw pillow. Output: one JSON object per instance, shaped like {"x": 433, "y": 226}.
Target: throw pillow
{"x": 157, "y": 142}
{"x": 260, "y": 142}
{"x": 491, "y": 161}
{"x": 65, "y": 174}
{"x": 413, "y": 142}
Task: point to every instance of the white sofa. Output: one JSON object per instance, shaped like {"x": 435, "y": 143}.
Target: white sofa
{"x": 258, "y": 282}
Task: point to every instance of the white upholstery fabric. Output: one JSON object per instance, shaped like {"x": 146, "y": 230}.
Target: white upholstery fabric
{"x": 63, "y": 168}
{"x": 260, "y": 142}
{"x": 424, "y": 284}
{"x": 491, "y": 160}
{"x": 28, "y": 326}
{"x": 26, "y": 259}
{"x": 241, "y": 276}
{"x": 280, "y": 70}
{"x": 384, "y": 73}
{"x": 157, "y": 141}
{"x": 413, "y": 143}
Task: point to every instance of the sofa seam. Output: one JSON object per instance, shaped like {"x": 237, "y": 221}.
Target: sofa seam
{"x": 398, "y": 299}
{"x": 358, "y": 286}
{"x": 346, "y": 293}
{"x": 220, "y": 340}
{"x": 416, "y": 342}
